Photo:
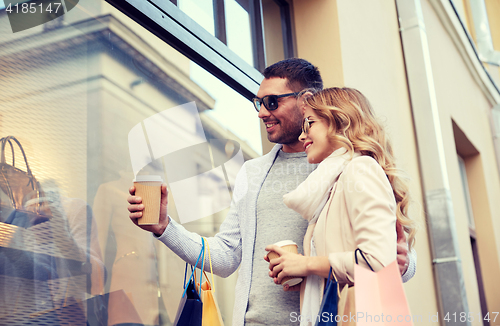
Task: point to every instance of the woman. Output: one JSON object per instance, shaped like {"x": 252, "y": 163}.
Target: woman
{"x": 354, "y": 199}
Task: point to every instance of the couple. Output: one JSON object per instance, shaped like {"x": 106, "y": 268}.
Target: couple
{"x": 339, "y": 130}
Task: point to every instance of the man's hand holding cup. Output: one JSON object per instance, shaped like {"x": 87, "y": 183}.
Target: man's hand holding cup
{"x": 145, "y": 195}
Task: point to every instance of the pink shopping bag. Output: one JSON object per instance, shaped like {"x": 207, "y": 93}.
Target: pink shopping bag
{"x": 380, "y": 297}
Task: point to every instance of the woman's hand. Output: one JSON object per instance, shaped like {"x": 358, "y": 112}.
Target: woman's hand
{"x": 288, "y": 264}
{"x": 288, "y": 288}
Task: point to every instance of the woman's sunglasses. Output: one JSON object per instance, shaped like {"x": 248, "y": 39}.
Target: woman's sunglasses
{"x": 270, "y": 101}
{"x": 307, "y": 125}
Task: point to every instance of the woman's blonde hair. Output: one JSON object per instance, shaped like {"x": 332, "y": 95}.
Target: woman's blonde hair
{"x": 353, "y": 125}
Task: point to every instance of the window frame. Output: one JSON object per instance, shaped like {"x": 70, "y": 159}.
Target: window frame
{"x": 171, "y": 25}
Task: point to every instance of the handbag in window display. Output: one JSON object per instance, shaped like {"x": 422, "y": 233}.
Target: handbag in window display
{"x": 20, "y": 201}
{"x": 49, "y": 262}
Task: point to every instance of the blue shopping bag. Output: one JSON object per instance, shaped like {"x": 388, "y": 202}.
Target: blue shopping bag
{"x": 190, "y": 309}
{"x": 329, "y": 305}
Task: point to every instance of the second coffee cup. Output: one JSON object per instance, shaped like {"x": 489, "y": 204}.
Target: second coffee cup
{"x": 289, "y": 246}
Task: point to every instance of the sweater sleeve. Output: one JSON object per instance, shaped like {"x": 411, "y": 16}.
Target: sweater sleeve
{"x": 412, "y": 266}
{"x": 371, "y": 209}
{"x": 225, "y": 246}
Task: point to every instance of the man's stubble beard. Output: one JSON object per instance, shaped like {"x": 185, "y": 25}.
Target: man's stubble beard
{"x": 291, "y": 131}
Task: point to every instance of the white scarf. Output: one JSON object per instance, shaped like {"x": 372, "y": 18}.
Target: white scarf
{"x": 308, "y": 200}
{"x": 311, "y": 195}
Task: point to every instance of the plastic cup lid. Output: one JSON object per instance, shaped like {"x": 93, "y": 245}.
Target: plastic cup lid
{"x": 148, "y": 178}
{"x": 285, "y": 243}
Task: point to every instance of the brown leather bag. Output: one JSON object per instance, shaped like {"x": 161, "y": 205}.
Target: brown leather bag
{"x": 22, "y": 190}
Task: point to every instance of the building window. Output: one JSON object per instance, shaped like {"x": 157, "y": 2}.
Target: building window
{"x": 472, "y": 234}
{"x": 465, "y": 187}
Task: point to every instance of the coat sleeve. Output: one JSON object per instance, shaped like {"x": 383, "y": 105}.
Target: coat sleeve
{"x": 371, "y": 210}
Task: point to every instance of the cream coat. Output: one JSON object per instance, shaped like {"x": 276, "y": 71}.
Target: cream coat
{"x": 360, "y": 213}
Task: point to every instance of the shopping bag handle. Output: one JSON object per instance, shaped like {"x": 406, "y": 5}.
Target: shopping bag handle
{"x": 185, "y": 272}
{"x": 202, "y": 262}
{"x": 201, "y": 270}
{"x": 196, "y": 264}
{"x": 329, "y": 280}
{"x": 212, "y": 285}
{"x": 362, "y": 255}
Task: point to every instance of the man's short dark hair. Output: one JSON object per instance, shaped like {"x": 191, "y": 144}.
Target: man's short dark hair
{"x": 300, "y": 73}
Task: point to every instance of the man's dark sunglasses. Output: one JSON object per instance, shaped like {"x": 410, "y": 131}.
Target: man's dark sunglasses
{"x": 270, "y": 101}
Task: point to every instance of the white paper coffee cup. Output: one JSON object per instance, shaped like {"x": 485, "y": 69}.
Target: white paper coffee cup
{"x": 290, "y": 246}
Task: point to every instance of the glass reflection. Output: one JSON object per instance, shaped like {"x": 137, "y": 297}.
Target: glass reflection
{"x": 239, "y": 35}
{"x": 71, "y": 94}
{"x": 201, "y": 11}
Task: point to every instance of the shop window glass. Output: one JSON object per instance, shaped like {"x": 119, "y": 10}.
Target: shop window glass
{"x": 71, "y": 96}
{"x": 201, "y": 11}
{"x": 244, "y": 124}
{"x": 237, "y": 23}
{"x": 239, "y": 37}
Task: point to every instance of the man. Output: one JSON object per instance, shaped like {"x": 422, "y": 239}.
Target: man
{"x": 258, "y": 216}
